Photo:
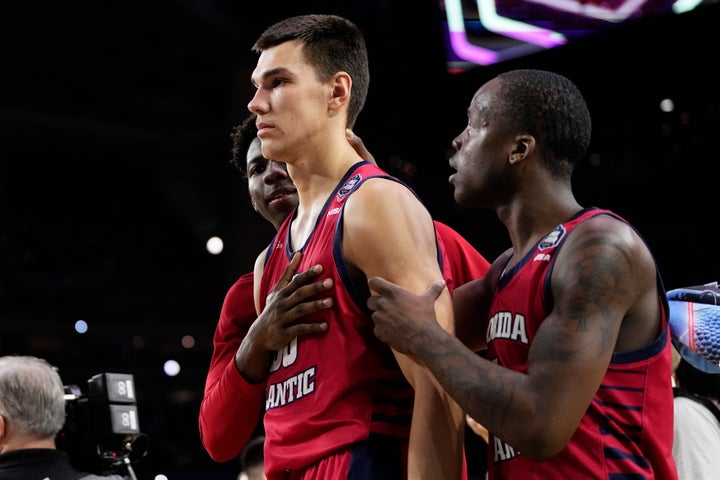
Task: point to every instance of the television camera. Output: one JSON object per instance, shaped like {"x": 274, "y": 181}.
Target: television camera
{"x": 102, "y": 432}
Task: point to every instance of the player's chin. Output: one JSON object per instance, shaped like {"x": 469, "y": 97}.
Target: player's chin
{"x": 457, "y": 193}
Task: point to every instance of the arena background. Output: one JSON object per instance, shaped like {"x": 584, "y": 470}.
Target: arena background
{"x": 114, "y": 170}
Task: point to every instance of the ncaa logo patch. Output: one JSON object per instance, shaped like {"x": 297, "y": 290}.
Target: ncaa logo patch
{"x": 349, "y": 186}
{"x": 552, "y": 239}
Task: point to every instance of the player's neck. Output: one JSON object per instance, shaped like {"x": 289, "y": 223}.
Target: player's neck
{"x": 316, "y": 176}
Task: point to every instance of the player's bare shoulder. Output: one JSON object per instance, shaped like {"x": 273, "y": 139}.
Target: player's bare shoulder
{"x": 605, "y": 261}
{"x": 620, "y": 238}
{"x": 379, "y": 196}
{"x": 605, "y": 237}
{"x": 604, "y": 258}
{"x": 385, "y": 226}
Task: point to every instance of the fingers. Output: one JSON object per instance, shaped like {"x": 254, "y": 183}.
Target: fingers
{"x": 379, "y": 285}
{"x": 289, "y": 271}
{"x": 293, "y": 300}
{"x": 307, "y": 328}
{"x": 383, "y": 287}
{"x": 302, "y": 293}
{"x": 435, "y": 290}
{"x": 285, "y": 315}
{"x": 357, "y": 143}
{"x": 290, "y": 280}
{"x": 389, "y": 292}
{"x": 304, "y": 279}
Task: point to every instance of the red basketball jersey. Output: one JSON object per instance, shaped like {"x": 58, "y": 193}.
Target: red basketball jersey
{"x": 627, "y": 430}
{"x": 330, "y": 390}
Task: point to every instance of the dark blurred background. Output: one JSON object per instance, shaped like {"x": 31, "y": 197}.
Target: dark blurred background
{"x": 115, "y": 119}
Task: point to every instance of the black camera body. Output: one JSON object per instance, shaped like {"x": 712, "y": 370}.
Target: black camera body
{"x": 102, "y": 431}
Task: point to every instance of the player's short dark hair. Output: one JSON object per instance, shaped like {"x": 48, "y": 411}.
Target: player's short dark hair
{"x": 550, "y": 107}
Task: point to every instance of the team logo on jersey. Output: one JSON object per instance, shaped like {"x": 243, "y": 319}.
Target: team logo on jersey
{"x": 553, "y": 238}
{"x": 349, "y": 186}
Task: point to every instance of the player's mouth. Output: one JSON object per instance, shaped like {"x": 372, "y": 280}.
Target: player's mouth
{"x": 281, "y": 194}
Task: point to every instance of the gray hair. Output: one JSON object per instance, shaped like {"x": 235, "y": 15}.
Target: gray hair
{"x": 32, "y": 396}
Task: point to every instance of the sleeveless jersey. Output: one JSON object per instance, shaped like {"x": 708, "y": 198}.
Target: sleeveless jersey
{"x": 334, "y": 389}
{"x": 627, "y": 430}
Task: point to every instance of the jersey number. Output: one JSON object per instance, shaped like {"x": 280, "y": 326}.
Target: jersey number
{"x": 285, "y": 357}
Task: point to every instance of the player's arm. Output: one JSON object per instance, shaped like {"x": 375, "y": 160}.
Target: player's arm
{"x": 603, "y": 277}
{"x": 388, "y": 232}
{"x": 231, "y": 407}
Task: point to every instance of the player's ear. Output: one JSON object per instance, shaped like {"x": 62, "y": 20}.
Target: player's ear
{"x": 523, "y": 147}
{"x": 341, "y": 88}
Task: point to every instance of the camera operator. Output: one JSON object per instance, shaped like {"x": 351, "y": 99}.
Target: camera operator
{"x": 32, "y": 413}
